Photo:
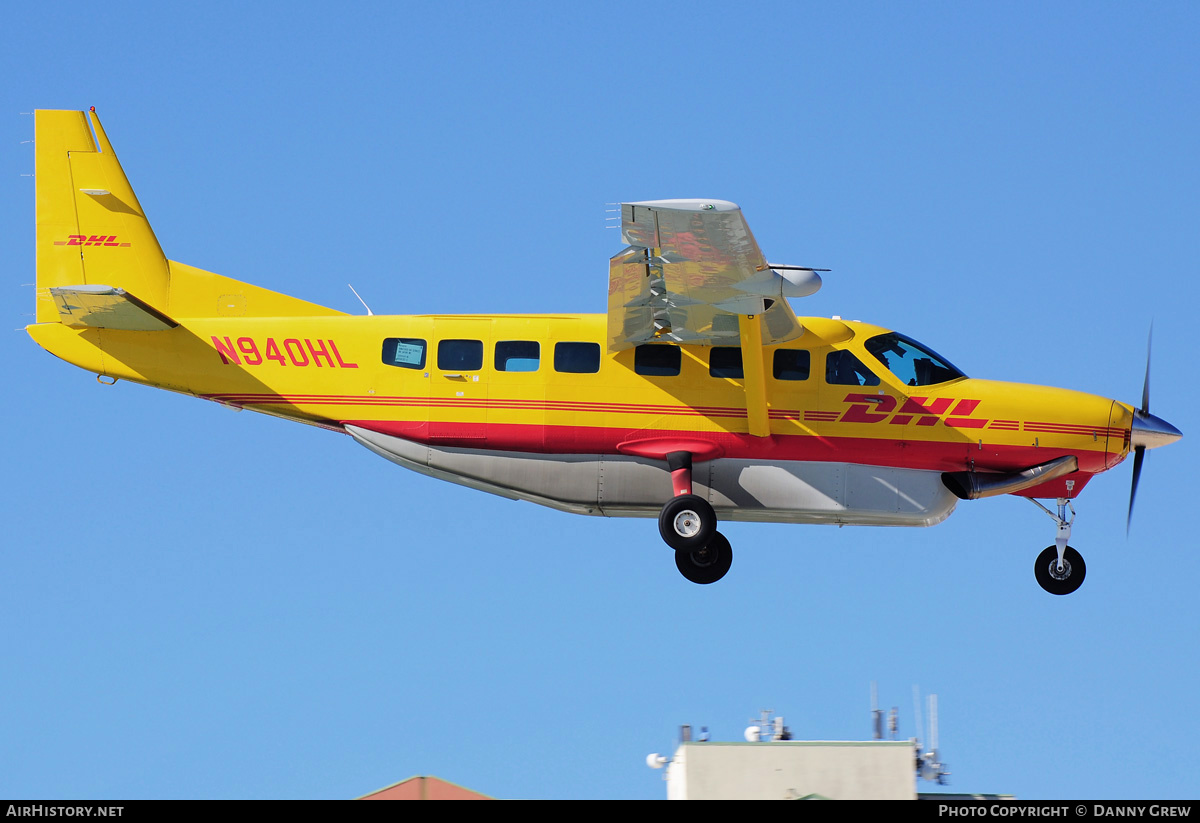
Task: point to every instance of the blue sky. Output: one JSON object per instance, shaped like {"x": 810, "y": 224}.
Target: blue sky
{"x": 200, "y": 603}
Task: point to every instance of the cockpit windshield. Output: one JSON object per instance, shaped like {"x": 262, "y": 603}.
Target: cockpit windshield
{"x": 911, "y": 362}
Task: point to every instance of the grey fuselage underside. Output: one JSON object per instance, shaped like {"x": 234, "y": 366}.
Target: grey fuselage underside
{"x": 622, "y": 486}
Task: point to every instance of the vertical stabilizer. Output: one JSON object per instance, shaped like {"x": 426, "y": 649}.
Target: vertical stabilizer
{"x": 90, "y": 226}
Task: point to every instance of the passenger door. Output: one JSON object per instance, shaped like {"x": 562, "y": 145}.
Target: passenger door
{"x": 458, "y": 385}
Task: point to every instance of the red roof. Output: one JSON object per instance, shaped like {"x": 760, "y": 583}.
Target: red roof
{"x": 424, "y": 788}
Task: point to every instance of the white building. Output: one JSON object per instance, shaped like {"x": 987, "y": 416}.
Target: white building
{"x": 793, "y": 769}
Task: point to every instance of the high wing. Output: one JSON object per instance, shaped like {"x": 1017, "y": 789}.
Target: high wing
{"x": 693, "y": 274}
{"x": 690, "y": 270}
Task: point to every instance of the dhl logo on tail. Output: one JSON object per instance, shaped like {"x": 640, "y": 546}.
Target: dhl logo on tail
{"x": 85, "y": 240}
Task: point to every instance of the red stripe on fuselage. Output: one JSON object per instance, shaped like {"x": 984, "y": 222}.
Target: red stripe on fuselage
{"x": 910, "y": 454}
{"x": 933, "y": 455}
{"x": 481, "y": 402}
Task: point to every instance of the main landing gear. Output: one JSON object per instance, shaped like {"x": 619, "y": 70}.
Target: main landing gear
{"x": 688, "y": 525}
{"x": 1060, "y": 569}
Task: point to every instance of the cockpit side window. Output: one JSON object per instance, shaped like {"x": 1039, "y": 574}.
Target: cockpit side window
{"x": 842, "y": 368}
{"x": 912, "y": 363}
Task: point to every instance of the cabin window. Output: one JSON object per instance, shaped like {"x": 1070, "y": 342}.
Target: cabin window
{"x": 405, "y": 352}
{"x": 790, "y": 364}
{"x": 842, "y": 368}
{"x": 577, "y": 358}
{"x": 460, "y": 355}
{"x": 911, "y": 362}
{"x": 657, "y": 360}
{"x": 726, "y": 361}
{"x": 518, "y": 355}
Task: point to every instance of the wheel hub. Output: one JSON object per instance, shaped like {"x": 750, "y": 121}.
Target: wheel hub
{"x": 687, "y": 524}
{"x": 1064, "y": 573}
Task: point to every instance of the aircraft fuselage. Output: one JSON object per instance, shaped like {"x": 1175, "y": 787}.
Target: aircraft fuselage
{"x": 486, "y": 400}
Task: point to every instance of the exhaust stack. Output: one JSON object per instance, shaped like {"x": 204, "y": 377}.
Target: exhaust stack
{"x": 974, "y": 485}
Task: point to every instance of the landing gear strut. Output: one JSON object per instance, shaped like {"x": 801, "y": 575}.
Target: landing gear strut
{"x": 1060, "y": 569}
{"x": 688, "y": 525}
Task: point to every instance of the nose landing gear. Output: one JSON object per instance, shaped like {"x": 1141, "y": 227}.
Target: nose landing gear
{"x": 688, "y": 525}
{"x": 1056, "y": 577}
{"x": 1060, "y": 569}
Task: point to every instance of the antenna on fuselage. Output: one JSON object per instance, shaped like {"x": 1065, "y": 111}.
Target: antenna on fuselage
{"x": 360, "y": 300}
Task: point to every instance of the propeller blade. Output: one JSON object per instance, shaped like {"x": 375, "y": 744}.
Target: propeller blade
{"x": 1146, "y": 383}
{"x": 1139, "y": 454}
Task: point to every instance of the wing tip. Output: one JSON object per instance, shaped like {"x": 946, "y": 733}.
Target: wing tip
{"x": 686, "y": 204}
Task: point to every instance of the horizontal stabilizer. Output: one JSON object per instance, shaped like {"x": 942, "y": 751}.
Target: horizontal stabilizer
{"x": 106, "y": 307}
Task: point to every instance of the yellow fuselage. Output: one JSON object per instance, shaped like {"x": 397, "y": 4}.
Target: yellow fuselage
{"x": 330, "y": 371}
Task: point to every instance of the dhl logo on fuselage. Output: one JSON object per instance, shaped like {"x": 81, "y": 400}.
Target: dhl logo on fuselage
{"x": 876, "y": 408}
{"x": 293, "y": 351}
{"x": 92, "y": 240}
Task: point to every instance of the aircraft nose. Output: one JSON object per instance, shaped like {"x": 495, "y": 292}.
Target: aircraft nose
{"x": 1150, "y": 431}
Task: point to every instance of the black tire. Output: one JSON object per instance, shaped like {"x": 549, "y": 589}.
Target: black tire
{"x": 707, "y": 565}
{"x": 1045, "y": 569}
{"x": 687, "y": 522}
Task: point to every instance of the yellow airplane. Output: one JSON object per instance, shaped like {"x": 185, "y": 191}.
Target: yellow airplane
{"x": 699, "y": 396}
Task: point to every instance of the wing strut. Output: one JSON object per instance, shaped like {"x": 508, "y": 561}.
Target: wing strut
{"x": 755, "y": 375}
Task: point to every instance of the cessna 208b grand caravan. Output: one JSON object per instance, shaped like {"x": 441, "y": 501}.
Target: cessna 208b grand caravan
{"x": 699, "y": 397}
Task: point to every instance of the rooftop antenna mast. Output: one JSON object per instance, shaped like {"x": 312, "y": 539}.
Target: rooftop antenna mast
{"x": 893, "y": 717}
{"x": 933, "y": 736}
{"x": 876, "y": 714}
{"x": 929, "y": 763}
{"x": 767, "y": 728}
{"x": 917, "y": 713}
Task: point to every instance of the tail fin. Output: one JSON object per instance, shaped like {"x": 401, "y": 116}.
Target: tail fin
{"x": 92, "y": 233}
{"x": 91, "y": 230}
